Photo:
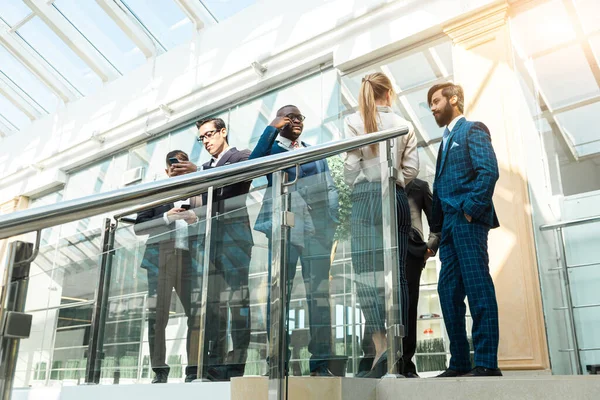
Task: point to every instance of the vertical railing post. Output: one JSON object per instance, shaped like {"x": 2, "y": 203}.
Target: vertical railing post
{"x": 14, "y": 324}
{"x": 569, "y": 299}
{"x": 393, "y": 306}
{"x": 95, "y": 352}
{"x": 278, "y": 298}
{"x": 205, "y": 277}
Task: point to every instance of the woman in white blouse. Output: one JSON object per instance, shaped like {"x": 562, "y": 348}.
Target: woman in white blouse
{"x": 362, "y": 171}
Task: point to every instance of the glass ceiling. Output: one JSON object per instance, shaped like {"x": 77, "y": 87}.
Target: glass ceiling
{"x": 107, "y": 39}
{"x": 563, "y": 56}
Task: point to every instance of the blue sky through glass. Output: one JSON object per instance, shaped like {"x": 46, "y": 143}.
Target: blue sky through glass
{"x": 30, "y": 84}
{"x": 223, "y": 9}
{"x": 13, "y": 11}
{"x": 12, "y": 113}
{"x": 164, "y": 19}
{"x": 91, "y": 20}
{"x": 41, "y": 38}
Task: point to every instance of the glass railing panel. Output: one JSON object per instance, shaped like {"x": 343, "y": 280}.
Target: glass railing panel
{"x": 60, "y": 297}
{"x": 156, "y": 288}
{"x": 337, "y": 306}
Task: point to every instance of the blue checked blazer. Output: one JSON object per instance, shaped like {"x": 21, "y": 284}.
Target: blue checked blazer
{"x": 466, "y": 175}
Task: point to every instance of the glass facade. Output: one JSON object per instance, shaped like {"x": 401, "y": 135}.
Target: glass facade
{"x": 558, "y": 68}
{"x": 63, "y": 320}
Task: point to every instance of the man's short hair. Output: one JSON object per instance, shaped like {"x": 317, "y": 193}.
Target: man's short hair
{"x": 175, "y": 153}
{"x": 289, "y": 105}
{"x": 449, "y": 90}
{"x": 217, "y": 122}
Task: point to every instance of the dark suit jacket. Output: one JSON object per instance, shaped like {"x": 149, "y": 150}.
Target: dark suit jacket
{"x": 267, "y": 145}
{"x": 151, "y": 222}
{"x": 466, "y": 175}
{"x": 420, "y": 200}
{"x": 230, "y": 202}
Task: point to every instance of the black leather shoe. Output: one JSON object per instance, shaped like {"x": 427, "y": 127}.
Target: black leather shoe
{"x": 379, "y": 369}
{"x": 190, "y": 378}
{"x": 482, "y": 371}
{"x": 161, "y": 377}
{"x": 411, "y": 375}
{"x": 450, "y": 373}
{"x": 321, "y": 371}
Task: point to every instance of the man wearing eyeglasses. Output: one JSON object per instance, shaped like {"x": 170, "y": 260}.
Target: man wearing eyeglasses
{"x": 230, "y": 254}
{"x": 315, "y": 185}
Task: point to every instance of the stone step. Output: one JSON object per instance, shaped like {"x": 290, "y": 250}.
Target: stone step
{"x": 314, "y": 388}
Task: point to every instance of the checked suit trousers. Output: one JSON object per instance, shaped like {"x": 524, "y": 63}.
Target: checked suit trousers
{"x": 465, "y": 273}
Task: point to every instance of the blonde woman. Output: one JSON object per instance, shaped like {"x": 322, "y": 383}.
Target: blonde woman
{"x": 363, "y": 173}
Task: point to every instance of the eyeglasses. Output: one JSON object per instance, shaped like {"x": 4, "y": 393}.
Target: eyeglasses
{"x": 207, "y": 135}
{"x": 296, "y": 117}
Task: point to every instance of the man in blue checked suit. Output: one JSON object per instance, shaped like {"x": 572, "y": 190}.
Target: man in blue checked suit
{"x": 316, "y": 194}
{"x": 466, "y": 175}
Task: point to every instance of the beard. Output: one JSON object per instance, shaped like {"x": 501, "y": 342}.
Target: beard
{"x": 444, "y": 117}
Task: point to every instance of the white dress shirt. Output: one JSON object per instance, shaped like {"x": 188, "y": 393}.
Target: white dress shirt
{"x": 287, "y": 143}
{"x": 181, "y": 232}
{"x": 451, "y": 126}
{"x": 364, "y": 165}
{"x": 215, "y": 160}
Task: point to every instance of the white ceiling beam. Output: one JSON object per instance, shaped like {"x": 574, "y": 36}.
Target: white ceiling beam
{"x": 74, "y": 39}
{"x": 5, "y": 129}
{"x": 129, "y": 25}
{"x": 196, "y": 12}
{"x": 20, "y": 99}
{"x": 37, "y": 65}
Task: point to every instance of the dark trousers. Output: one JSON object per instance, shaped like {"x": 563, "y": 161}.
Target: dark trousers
{"x": 465, "y": 273}
{"x": 315, "y": 259}
{"x": 175, "y": 271}
{"x": 367, "y": 252}
{"x": 228, "y": 294}
{"x": 414, "y": 267}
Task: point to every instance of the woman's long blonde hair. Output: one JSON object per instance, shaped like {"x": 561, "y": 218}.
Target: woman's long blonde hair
{"x": 374, "y": 87}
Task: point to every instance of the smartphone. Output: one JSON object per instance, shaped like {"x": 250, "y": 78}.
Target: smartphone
{"x": 173, "y": 160}
{"x": 185, "y": 206}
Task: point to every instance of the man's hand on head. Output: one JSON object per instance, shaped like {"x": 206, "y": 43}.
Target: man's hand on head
{"x": 280, "y": 122}
{"x": 183, "y": 167}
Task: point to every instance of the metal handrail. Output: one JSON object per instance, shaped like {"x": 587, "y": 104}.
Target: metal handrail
{"x": 567, "y": 224}
{"x": 179, "y": 187}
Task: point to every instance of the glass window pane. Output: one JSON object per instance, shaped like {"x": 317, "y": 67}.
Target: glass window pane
{"x": 418, "y": 103}
{"x": 43, "y": 40}
{"x": 581, "y": 126}
{"x": 11, "y": 113}
{"x": 91, "y": 20}
{"x": 13, "y": 11}
{"x": 589, "y": 14}
{"x": 23, "y": 78}
{"x": 164, "y": 19}
{"x": 222, "y": 9}
{"x": 411, "y": 71}
{"x": 533, "y": 37}
{"x": 565, "y": 76}
{"x": 444, "y": 52}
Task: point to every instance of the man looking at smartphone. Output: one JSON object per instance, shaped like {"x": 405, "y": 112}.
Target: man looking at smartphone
{"x": 230, "y": 254}
{"x": 169, "y": 266}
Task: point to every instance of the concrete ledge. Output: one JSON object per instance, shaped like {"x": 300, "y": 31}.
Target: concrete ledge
{"x": 307, "y": 388}
{"x": 169, "y": 391}
{"x": 505, "y": 388}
